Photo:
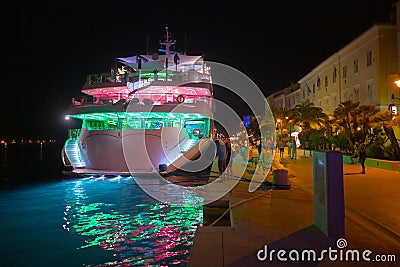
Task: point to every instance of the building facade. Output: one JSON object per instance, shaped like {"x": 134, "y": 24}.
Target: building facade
{"x": 363, "y": 71}
{"x": 286, "y": 98}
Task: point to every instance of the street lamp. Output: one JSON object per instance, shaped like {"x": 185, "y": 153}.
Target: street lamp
{"x": 392, "y": 107}
{"x": 397, "y": 82}
{"x": 280, "y": 127}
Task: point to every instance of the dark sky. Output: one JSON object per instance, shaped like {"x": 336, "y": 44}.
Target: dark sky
{"x": 51, "y": 46}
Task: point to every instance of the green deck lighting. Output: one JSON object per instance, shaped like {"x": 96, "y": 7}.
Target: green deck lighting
{"x": 138, "y": 120}
{"x": 103, "y": 116}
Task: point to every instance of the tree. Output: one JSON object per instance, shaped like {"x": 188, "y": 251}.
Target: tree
{"x": 307, "y": 113}
{"x": 279, "y": 113}
{"x": 386, "y": 120}
{"x": 316, "y": 138}
{"x": 345, "y": 115}
{"x": 362, "y": 126}
{"x": 253, "y": 128}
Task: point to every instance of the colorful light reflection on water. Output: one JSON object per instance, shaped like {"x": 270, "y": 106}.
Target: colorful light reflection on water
{"x": 107, "y": 222}
{"x": 140, "y": 234}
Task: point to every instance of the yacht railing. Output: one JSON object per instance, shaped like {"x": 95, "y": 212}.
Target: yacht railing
{"x": 140, "y": 99}
{"x": 74, "y": 134}
{"x": 105, "y": 78}
{"x": 133, "y": 77}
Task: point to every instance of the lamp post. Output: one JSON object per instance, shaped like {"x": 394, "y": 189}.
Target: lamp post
{"x": 289, "y": 123}
{"x": 279, "y": 121}
{"x": 397, "y": 82}
{"x": 392, "y": 107}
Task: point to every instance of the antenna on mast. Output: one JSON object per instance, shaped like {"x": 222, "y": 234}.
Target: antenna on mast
{"x": 168, "y": 42}
{"x": 184, "y": 51}
{"x": 147, "y": 43}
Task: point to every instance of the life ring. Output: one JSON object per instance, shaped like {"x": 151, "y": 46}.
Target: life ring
{"x": 180, "y": 98}
{"x": 196, "y": 132}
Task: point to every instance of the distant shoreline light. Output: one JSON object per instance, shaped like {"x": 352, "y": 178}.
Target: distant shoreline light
{"x": 27, "y": 141}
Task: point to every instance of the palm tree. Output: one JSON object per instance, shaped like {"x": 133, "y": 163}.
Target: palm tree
{"x": 307, "y": 113}
{"x": 253, "y": 128}
{"x": 345, "y": 115}
{"x": 279, "y": 113}
{"x": 386, "y": 120}
{"x": 364, "y": 113}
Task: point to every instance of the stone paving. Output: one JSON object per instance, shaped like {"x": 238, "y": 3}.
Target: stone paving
{"x": 283, "y": 219}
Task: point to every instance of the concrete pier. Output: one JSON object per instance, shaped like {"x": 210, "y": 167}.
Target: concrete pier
{"x": 284, "y": 219}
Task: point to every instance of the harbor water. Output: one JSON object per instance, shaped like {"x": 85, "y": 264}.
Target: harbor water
{"x": 49, "y": 219}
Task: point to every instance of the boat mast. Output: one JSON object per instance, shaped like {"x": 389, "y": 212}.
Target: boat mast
{"x": 168, "y": 42}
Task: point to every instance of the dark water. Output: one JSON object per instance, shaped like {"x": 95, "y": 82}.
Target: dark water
{"x": 22, "y": 164}
{"x": 47, "y": 219}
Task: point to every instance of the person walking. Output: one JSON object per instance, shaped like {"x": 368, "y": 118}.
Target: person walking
{"x": 270, "y": 146}
{"x": 281, "y": 149}
{"x": 356, "y": 152}
{"x": 243, "y": 152}
{"x": 221, "y": 153}
{"x": 234, "y": 147}
{"x": 294, "y": 147}
{"x": 362, "y": 156}
{"x": 229, "y": 159}
{"x": 258, "y": 145}
{"x": 251, "y": 156}
{"x": 289, "y": 148}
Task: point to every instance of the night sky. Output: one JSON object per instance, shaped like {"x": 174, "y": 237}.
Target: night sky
{"x": 50, "y": 47}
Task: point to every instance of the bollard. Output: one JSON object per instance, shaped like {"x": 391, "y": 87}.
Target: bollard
{"x": 280, "y": 179}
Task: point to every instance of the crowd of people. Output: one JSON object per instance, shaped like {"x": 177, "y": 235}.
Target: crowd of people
{"x": 255, "y": 153}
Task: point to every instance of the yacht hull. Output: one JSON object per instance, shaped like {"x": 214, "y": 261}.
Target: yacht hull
{"x": 129, "y": 151}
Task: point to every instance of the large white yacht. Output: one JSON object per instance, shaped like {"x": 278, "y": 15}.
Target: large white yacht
{"x": 149, "y": 114}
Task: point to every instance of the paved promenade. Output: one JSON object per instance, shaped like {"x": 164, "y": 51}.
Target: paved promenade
{"x": 283, "y": 219}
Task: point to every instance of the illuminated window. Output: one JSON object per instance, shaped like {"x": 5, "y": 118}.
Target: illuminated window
{"x": 356, "y": 94}
{"x": 334, "y": 75}
{"x": 369, "y": 58}
{"x": 355, "y": 65}
{"x": 345, "y": 95}
{"x": 370, "y": 94}
{"x": 344, "y": 71}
